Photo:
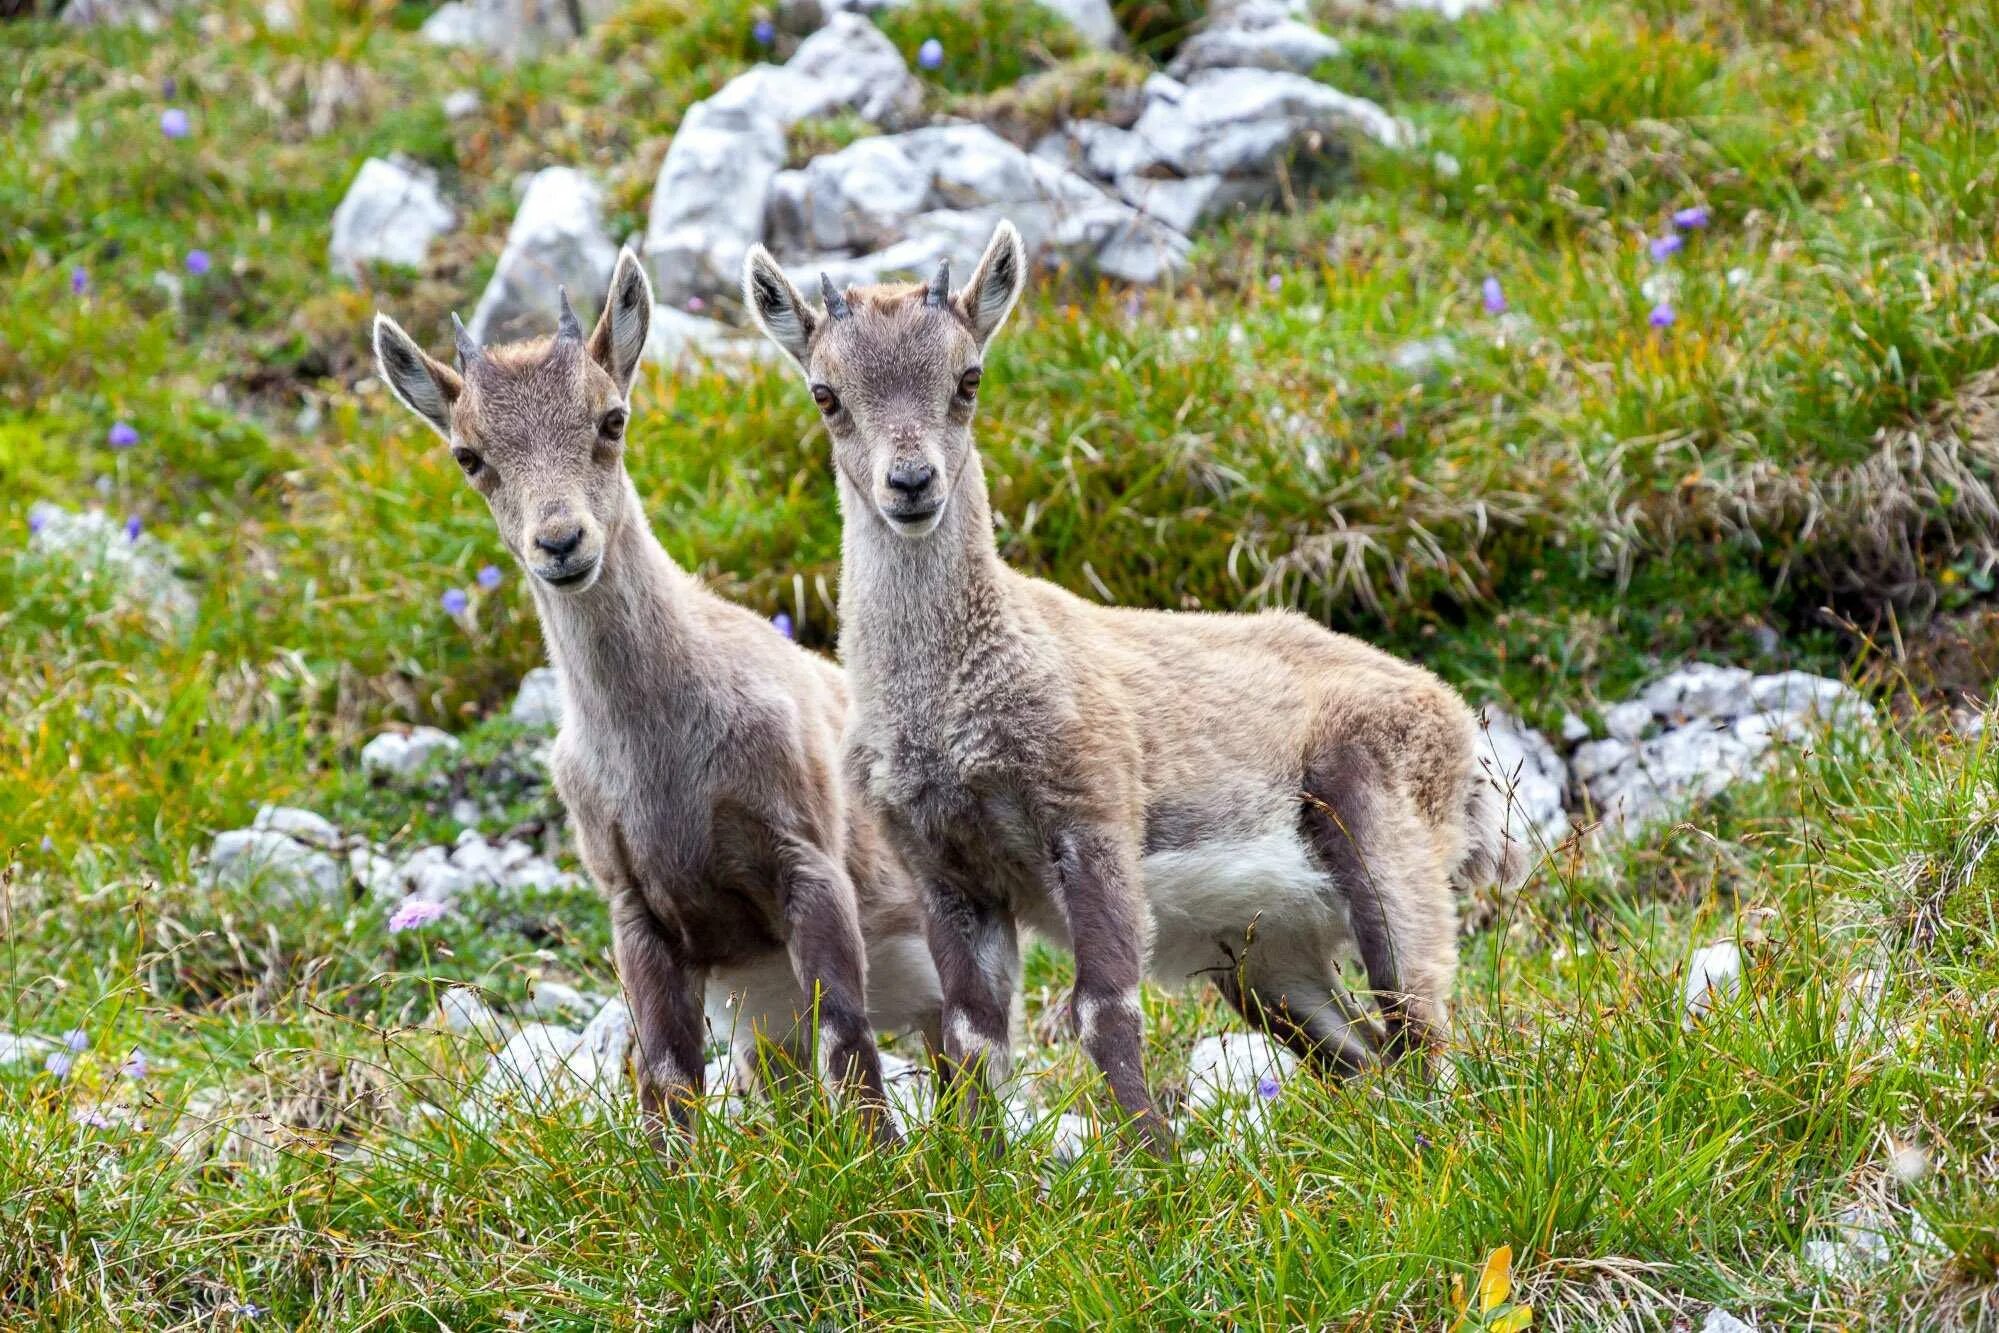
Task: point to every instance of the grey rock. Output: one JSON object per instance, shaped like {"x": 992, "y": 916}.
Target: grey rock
{"x": 145, "y": 15}
{"x": 1788, "y": 693}
{"x": 557, "y": 240}
{"x": 677, "y": 338}
{"x": 859, "y": 198}
{"x": 1574, "y": 729}
{"x": 1090, "y": 18}
{"x": 1700, "y": 689}
{"x": 464, "y": 1010}
{"x": 403, "y": 753}
{"x": 461, "y": 104}
{"x": 608, "y": 1036}
{"x": 1182, "y": 204}
{"x": 553, "y": 999}
{"x": 452, "y": 23}
{"x": 532, "y": 1068}
{"x": 848, "y": 65}
{"x": 307, "y": 827}
{"x": 1530, "y": 776}
{"x": 1258, "y": 35}
{"x": 708, "y": 201}
{"x": 538, "y": 702}
{"x": 1628, "y": 721}
{"x": 1449, "y": 9}
{"x": 428, "y": 875}
{"x": 377, "y": 875}
{"x": 138, "y": 569}
{"x": 282, "y": 867}
{"x": 1237, "y": 122}
{"x": 1669, "y": 772}
{"x": 512, "y": 29}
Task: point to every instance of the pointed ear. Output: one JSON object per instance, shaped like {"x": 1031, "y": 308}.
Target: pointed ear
{"x": 780, "y": 310}
{"x": 996, "y": 284}
{"x": 619, "y": 339}
{"x": 425, "y": 386}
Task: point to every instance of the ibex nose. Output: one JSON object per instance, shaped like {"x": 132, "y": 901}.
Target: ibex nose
{"x": 559, "y": 542}
{"x": 911, "y": 477}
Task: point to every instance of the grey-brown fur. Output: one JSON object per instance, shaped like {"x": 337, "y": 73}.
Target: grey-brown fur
{"x": 699, "y": 749}
{"x": 1240, "y": 797}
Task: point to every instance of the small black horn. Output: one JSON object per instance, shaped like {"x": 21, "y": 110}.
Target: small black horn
{"x": 940, "y": 284}
{"x": 567, "y": 326}
{"x": 468, "y": 351}
{"x": 836, "y": 304}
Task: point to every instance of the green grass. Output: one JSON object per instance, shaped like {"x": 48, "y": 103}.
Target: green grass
{"x": 1573, "y": 501}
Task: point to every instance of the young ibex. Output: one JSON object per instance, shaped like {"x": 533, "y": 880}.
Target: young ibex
{"x": 699, "y": 749}
{"x": 1238, "y": 797}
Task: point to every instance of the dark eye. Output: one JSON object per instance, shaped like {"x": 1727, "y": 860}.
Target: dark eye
{"x": 829, "y": 402}
{"x": 968, "y": 384}
{"x": 612, "y": 426}
{"x": 471, "y": 462}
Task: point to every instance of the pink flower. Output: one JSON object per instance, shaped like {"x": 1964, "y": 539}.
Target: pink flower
{"x": 414, "y": 914}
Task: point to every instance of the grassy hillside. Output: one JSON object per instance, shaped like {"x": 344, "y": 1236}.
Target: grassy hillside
{"x": 1774, "y": 446}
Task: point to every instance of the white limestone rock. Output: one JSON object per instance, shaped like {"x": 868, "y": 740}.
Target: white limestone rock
{"x": 1628, "y": 721}
{"x": 848, "y": 65}
{"x": 305, "y": 826}
{"x": 400, "y": 754}
{"x": 1240, "y": 122}
{"x": 1531, "y": 778}
{"x": 464, "y": 1010}
{"x": 1721, "y": 1321}
{"x": 18, "y": 1048}
{"x": 679, "y": 339}
{"x": 554, "y": 999}
{"x": 557, "y": 240}
{"x": 538, "y": 702}
{"x": 139, "y": 568}
{"x": 708, "y": 201}
{"x": 1237, "y": 1069}
{"x": 1258, "y": 34}
{"x": 1714, "y": 978}
{"x": 389, "y": 215}
{"x": 1700, "y": 689}
{"x": 278, "y": 865}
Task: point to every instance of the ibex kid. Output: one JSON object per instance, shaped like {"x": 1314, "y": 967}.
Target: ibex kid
{"x": 1238, "y": 797}
{"x": 699, "y": 749}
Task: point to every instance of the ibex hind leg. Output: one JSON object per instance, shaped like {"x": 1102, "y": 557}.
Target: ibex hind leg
{"x": 1384, "y": 858}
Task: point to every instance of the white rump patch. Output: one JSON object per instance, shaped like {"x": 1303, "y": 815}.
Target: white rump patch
{"x": 1202, "y": 896}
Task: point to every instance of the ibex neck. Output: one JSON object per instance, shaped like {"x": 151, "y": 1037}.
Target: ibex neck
{"x": 628, "y": 633}
{"x": 916, "y": 608}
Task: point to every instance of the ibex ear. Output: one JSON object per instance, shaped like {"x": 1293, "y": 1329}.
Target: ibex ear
{"x": 425, "y": 386}
{"x": 996, "y": 284}
{"x": 619, "y": 339}
{"x": 780, "y": 310}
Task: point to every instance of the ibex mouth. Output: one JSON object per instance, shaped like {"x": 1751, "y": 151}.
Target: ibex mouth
{"x": 571, "y": 580}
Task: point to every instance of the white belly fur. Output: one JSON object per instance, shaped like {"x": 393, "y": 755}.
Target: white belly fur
{"x": 1205, "y": 900}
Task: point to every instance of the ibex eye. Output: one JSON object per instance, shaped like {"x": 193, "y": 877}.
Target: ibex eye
{"x": 829, "y": 402}
{"x": 468, "y": 460}
{"x": 968, "y": 383}
{"x": 613, "y": 424}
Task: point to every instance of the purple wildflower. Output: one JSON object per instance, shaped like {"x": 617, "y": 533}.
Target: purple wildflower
{"x": 454, "y": 601}
{"x": 244, "y": 1309}
{"x": 1275, "y": 282}
{"x": 930, "y": 55}
{"x": 174, "y": 123}
{"x": 136, "y": 1066}
{"x": 91, "y": 1116}
{"x": 1422, "y": 1141}
{"x": 695, "y": 305}
{"x": 489, "y": 577}
{"x": 782, "y": 624}
{"x": 169, "y": 86}
{"x": 1686, "y": 219}
{"x": 1267, "y": 1087}
{"x": 79, "y": 280}
{"x": 198, "y": 263}
{"x": 48, "y": 843}
{"x": 1661, "y": 316}
{"x": 122, "y": 435}
{"x": 59, "y": 1063}
{"x": 38, "y": 518}
{"x": 414, "y": 914}
{"x": 132, "y": 528}
{"x": 76, "y": 1039}
{"x": 1665, "y": 247}
{"x": 764, "y": 33}
{"x": 1495, "y": 299}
